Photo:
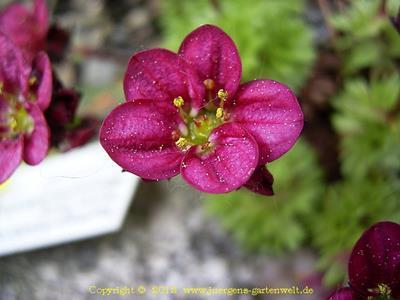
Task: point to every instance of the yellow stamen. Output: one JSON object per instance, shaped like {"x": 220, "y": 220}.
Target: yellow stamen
{"x": 384, "y": 289}
{"x": 219, "y": 113}
{"x": 222, "y": 95}
{"x": 1, "y": 87}
{"x": 32, "y": 80}
{"x": 179, "y": 102}
{"x": 13, "y": 123}
{"x": 181, "y": 143}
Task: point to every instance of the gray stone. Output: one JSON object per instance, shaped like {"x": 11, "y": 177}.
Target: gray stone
{"x": 167, "y": 240}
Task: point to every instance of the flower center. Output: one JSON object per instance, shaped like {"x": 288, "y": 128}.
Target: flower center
{"x": 384, "y": 292}
{"x": 196, "y": 129}
{"x": 14, "y": 118}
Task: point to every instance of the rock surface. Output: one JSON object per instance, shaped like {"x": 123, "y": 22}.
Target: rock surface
{"x": 167, "y": 240}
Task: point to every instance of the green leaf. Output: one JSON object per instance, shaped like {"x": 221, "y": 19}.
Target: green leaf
{"x": 273, "y": 39}
{"x": 278, "y": 223}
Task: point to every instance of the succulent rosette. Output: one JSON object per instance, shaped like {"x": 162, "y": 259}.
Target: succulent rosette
{"x": 27, "y": 28}
{"x": 187, "y": 113}
{"x": 25, "y": 92}
{"x": 374, "y": 265}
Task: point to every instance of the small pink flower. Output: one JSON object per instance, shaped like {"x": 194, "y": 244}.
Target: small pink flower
{"x": 374, "y": 265}
{"x": 25, "y": 92}
{"x": 26, "y": 28}
{"x": 187, "y": 113}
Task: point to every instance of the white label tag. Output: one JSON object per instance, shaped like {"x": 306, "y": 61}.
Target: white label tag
{"x": 70, "y": 196}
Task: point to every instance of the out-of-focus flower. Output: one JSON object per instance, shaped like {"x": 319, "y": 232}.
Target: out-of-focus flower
{"x": 187, "y": 113}
{"x": 396, "y": 21}
{"x": 25, "y": 92}
{"x": 80, "y": 134}
{"x": 374, "y": 265}
{"x": 56, "y": 43}
{"x": 27, "y": 28}
{"x": 67, "y": 130}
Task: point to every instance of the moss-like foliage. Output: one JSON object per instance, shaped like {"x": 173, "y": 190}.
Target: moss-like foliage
{"x": 278, "y": 223}
{"x": 369, "y": 127}
{"x": 348, "y": 209}
{"x": 273, "y": 39}
{"x": 366, "y": 37}
{"x": 367, "y": 120}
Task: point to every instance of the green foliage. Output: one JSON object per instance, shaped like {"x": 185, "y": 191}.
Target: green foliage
{"x": 367, "y": 121}
{"x": 370, "y": 134}
{"x": 272, "y": 37}
{"x": 348, "y": 209}
{"x": 367, "y": 37}
{"x": 278, "y": 223}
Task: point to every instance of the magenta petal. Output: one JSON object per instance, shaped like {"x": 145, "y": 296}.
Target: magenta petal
{"x": 11, "y": 152}
{"x": 36, "y": 144}
{"x": 214, "y": 55}
{"x": 261, "y": 182}
{"x": 344, "y": 294}
{"x": 41, "y": 15}
{"x": 227, "y": 166}
{"x": 27, "y": 29}
{"x": 161, "y": 75}
{"x": 270, "y": 112}
{"x": 375, "y": 259}
{"x": 14, "y": 70}
{"x": 138, "y": 137}
{"x": 41, "y": 69}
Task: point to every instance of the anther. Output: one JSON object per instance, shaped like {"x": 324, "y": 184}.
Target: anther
{"x": 179, "y": 102}
{"x": 181, "y": 143}
{"x": 219, "y": 113}
{"x": 384, "y": 289}
{"x": 222, "y": 94}
{"x": 1, "y": 87}
{"x": 32, "y": 80}
{"x": 13, "y": 123}
{"x": 209, "y": 84}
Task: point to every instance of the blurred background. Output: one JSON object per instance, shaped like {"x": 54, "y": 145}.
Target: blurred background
{"x": 342, "y": 59}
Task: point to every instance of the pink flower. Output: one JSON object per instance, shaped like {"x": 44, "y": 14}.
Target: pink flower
{"x": 25, "y": 92}
{"x": 187, "y": 113}
{"x": 26, "y": 28}
{"x": 374, "y": 265}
